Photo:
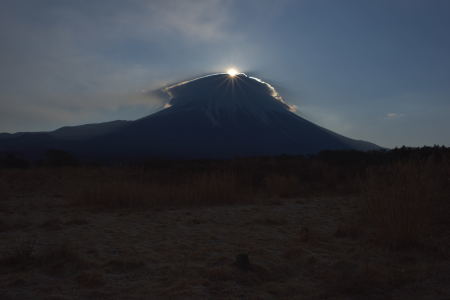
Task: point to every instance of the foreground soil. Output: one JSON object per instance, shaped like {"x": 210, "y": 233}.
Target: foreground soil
{"x": 311, "y": 248}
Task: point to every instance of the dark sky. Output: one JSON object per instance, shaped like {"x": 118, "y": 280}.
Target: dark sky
{"x": 377, "y": 70}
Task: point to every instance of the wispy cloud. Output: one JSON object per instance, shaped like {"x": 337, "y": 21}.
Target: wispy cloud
{"x": 202, "y": 20}
{"x": 393, "y": 115}
{"x": 89, "y": 58}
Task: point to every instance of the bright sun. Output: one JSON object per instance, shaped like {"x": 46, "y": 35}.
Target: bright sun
{"x": 232, "y": 72}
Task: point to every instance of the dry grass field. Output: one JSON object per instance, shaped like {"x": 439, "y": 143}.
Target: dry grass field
{"x": 311, "y": 230}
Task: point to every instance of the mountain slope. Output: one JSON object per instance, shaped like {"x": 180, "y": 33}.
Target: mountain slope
{"x": 216, "y": 116}
{"x": 223, "y": 116}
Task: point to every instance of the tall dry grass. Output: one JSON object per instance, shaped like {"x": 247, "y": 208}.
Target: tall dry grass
{"x": 403, "y": 200}
{"x": 284, "y": 186}
{"x": 399, "y": 197}
{"x": 5, "y": 191}
{"x": 4, "y": 194}
{"x": 215, "y": 188}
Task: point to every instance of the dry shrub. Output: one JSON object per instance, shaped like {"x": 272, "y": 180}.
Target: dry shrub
{"x": 352, "y": 279}
{"x": 402, "y": 200}
{"x": 42, "y": 181}
{"x": 203, "y": 189}
{"x": 270, "y": 221}
{"x": 124, "y": 265}
{"x": 55, "y": 259}
{"x": 91, "y": 279}
{"x": 220, "y": 273}
{"x": 21, "y": 255}
{"x": 60, "y": 254}
{"x": 282, "y": 186}
{"x": 4, "y": 193}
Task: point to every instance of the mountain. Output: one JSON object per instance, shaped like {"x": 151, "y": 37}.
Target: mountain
{"x": 216, "y": 116}
{"x": 87, "y": 131}
{"x": 72, "y": 132}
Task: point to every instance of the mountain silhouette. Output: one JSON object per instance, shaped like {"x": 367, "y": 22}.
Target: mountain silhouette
{"x": 216, "y": 116}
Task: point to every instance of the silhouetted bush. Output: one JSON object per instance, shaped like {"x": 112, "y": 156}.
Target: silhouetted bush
{"x": 13, "y": 160}
{"x": 59, "y": 158}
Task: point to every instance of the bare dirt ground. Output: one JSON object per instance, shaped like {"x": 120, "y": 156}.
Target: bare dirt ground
{"x": 310, "y": 248}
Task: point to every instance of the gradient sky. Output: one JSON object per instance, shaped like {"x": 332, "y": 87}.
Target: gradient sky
{"x": 377, "y": 70}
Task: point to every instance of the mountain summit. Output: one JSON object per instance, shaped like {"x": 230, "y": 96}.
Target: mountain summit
{"x": 216, "y": 116}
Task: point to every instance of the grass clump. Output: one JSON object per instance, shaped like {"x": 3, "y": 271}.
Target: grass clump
{"x": 55, "y": 259}
{"x": 20, "y": 255}
{"x": 214, "y": 188}
{"x": 404, "y": 200}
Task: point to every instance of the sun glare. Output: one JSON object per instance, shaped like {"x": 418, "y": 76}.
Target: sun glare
{"x": 232, "y": 72}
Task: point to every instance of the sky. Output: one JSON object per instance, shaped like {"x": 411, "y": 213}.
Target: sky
{"x": 376, "y": 70}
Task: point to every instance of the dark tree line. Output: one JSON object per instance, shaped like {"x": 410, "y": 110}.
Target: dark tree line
{"x": 52, "y": 158}
{"x": 348, "y": 158}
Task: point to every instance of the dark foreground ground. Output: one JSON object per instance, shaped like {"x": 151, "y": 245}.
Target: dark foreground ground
{"x": 331, "y": 231}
